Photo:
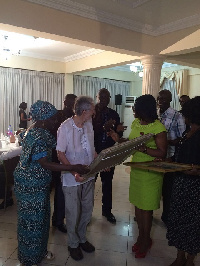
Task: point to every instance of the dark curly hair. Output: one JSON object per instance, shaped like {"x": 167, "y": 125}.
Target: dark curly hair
{"x": 23, "y": 105}
{"x": 191, "y": 110}
{"x": 145, "y": 108}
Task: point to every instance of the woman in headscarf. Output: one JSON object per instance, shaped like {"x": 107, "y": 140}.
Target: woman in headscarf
{"x": 32, "y": 185}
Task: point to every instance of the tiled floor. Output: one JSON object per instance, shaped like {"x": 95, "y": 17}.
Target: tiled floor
{"x": 113, "y": 242}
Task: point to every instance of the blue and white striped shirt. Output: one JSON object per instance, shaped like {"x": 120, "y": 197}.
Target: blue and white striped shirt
{"x": 175, "y": 126}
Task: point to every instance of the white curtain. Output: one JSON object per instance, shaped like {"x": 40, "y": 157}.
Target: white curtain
{"x": 90, "y": 86}
{"x": 18, "y": 85}
{"x": 180, "y": 77}
{"x": 171, "y": 86}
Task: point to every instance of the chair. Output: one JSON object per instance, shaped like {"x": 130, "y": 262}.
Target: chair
{"x": 9, "y": 167}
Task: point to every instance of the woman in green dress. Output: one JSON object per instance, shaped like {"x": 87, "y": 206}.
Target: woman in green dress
{"x": 146, "y": 186}
{"x": 32, "y": 179}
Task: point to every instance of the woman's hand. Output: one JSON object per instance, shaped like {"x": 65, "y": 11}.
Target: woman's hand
{"x": 194, "y": 171}
{"x": 142, "y": 148}
{"x": 80, "y": 169}
{"x": 79, "y": 178}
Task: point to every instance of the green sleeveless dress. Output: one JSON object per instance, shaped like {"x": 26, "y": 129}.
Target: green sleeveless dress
{"x": 145, "y": 186}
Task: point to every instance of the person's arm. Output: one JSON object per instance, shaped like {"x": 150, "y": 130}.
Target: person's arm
{"x": 161, "y": 143}
{"x": 23, "y": 118}
{"x": 180, "y": 127}
{"x": 118, "y": 125}
{"x": 62, "y": 158}
{"x": 195, "y": 171}
{"x": 115, "y": 136}
{"x": 81, "y": 169}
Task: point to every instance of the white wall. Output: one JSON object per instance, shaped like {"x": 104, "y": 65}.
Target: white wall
{"x": 30, "y": 63}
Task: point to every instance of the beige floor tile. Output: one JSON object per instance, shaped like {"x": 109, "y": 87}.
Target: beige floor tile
{"x": 7, "y": 247}
{"x": 8, "y": 234}
{"x": 161, "y": 249}
{"x": 117, "y": 206}
{"x": 100, "y": 258}
{"x": 56, "y": 237}
{"x": 61, "y": 255}
{"x": 112, "y": 242}
{"x": 147, "y": 261}
{"x": 14, "y": 255}
{"x": 8, "y": 226}
{"x": 108, "y": 229}
{"x": 122, "y": 215}
{"x": 11, "y": 262}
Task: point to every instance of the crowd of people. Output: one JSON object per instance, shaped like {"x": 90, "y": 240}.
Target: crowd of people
{"x": 75, "y": 136}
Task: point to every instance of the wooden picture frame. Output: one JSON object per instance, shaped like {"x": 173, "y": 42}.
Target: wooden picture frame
{"x": 116, "y": 154}
{"x": 162, "y": 167}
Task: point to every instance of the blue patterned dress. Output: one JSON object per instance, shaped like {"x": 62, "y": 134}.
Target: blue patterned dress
{"x": 32, "y": 190}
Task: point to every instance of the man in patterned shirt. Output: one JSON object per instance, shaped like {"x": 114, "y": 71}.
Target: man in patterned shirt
{"x": 175, "y": 126}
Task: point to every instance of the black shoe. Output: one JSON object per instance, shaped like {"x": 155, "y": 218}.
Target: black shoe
{"x": 9, "y": 202}
{"x": 87, "y": 247}
{"x": 62, "y": 228}
{"x": 110, "y": 217}
{"x": 76, "y": 253}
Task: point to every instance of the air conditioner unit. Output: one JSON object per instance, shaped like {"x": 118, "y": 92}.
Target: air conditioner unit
{"x": 130, "y": 101}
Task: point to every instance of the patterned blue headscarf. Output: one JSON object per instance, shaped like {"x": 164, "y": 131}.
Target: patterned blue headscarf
{"x": 42, "y": 110}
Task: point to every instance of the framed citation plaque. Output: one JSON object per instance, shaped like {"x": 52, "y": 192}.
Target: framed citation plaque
{"x": 116, "y": 154}
{"x": 162, "y": 167}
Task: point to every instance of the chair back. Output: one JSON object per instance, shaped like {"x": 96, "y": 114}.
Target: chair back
{"x": 9, "y": 168}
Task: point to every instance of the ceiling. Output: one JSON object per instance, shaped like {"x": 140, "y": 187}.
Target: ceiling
{"x": 151, "y": 18}
{"x": 148, "y": 16}
{"x": 44, "y": 48}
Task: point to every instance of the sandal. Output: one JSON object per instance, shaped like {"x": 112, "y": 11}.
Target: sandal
{"x": 49, "y": 256}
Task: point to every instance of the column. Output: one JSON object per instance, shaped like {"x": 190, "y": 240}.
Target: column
{"x": 151, "y": 79}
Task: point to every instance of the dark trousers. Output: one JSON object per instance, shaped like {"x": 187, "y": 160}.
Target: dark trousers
{"x": 168, "y": 181}
{"x": 106, "y": 179}
{"x": 59, "y": 201}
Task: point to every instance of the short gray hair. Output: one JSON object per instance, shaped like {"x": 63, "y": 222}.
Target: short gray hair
{"x": 83, "y": 103}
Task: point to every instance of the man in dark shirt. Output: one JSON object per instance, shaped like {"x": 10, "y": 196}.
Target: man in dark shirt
{"x": 59, "y": 201}
{"x": 182, "y": 100}
{"x": 104, "y": 120}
